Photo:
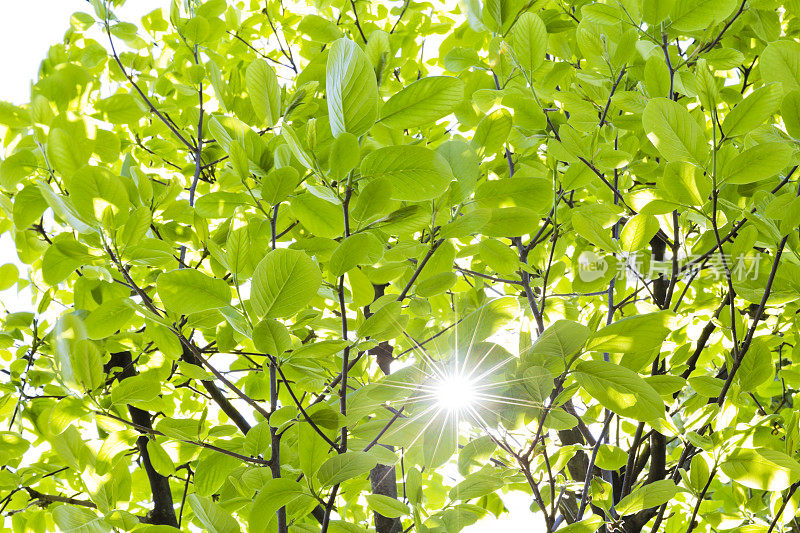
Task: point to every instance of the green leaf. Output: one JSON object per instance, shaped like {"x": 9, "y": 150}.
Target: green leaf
{"x": 760, "y": 162}
{"x": 424, "y": 101}
{"x": 684, "y": 184}
{"x": 238, "y": 158}
{"x": 691, "y": 15}
{"x": 476, "y": 485}
{"x": 374, "y": 200}
{"x": 264, "y": 92}
{"x": 94, "y": 189}
{"x": 120, "y": 108}
{"x": 753, "y": 111}
{"x": 320, "y": 217}
{"x": 611, "y": 457}
{"x": 211, "y": 471}
{"x": 790, "y": 112}
{"x": 416, "y": 173}
{"x": 345, "y": 466}
{"x": 214, "y": 518}
{"x": 387, "y": 506}
{"x": 535, "y": 194}
{"x": 460, "y": 58}
{"x": 62, "y": 152}
{"x": 439, "y": 441}
{"x": 648, "y": 496}
{"x": 529, "y": 41}
{"x": 196, "y": 29}
{"x": 141, "y": 388}
{"x": 345, "y": 155}
{"x": 538, "y": 382}
{"x": 179, "y": 428}
{"x": 74, "y": 519}
{"x": 761, "y": 469}
{"x": 511, "y": 222}
{"x": 187, "y": 291}
{"x": 498, "y": 256}
{"x": 319, "y": 29}
{"x": 358, "y": 249}
{"x": 160, "y": 459}
{"x": 637, "y": 333}
{"x": 109, "y": 317}
{"x": 492, "y": 133}
{"x": 312, "y": 449}
{"x": 238, "y": 253}
{"x": 387, "y": 323}
{"x": 271, "y": 337}
{"x": 475, "y": 452}
{"x": 674, "y": 132}
{"x": 279, "y": 184}
{"x": 562, "y": 339}
{"x": 756, "y": 366}
{"x": 638, "y": 232}
{"x": 588, "y": 525}
{"x": 16, "y": 167}
{"x": 620, "y": 389}
{"x": 590, "y": 229}
{"x": 9, "y": 274}
{"x": 436, "y": 284}
{"x": 485, "y": 321}
{"x": 780, "y": 62}
{"x": 283, "y": 283}
{"x": 351, "y": 88}
{"x": 87, "y": 364}
{"x": 220, "y": 204}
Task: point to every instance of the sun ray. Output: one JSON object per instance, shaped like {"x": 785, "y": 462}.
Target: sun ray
{"x": 492, "y": 369}
{"x": 479, "y": 363}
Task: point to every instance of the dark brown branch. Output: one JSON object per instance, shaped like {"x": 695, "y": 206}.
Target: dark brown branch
{"x": 46, "y": 499}
{"x": 418, "y": 270}
{"x": 739, "y": 356}
{"x": 163, "y": 512}
{"x": 144, "y": 97}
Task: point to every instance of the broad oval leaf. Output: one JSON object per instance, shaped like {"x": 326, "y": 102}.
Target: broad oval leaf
{"x": 345, "y": 466}
{"x": 620, "y": 389}
{"x": 638, "y": 231}
{"x": 352, "y": 89}
{"x": 780, "y": 62}
{"x": 637, "y": 333}
{"x": 674, "y": 132}
{"x": 214, "y": 518}
{"x": 535, "y": 194}
{"x": 358, "y": 249}
{"x": 529, "y": 41}
{"x": 264, "y": 91}
{"x": 761, "y": 469}
{"x": 691, "y": 15}
{"x": 562, "y": 338}
{"x": 476, "y": 485}
{"x": 760, "y": 162}
{"x": 416, "y": 173}
{"x": 283, "y": 283}
{"x": 271, "y": 337}
{"x": 141, "y": 388}
{"x": 648, "y": 496}
{"x": 752, "y": 111}
{"x": 387, "y": 506}
{"x": 186, "y": 291}
{"x": 422, "y": 102}
{"x": 275, "y": 494}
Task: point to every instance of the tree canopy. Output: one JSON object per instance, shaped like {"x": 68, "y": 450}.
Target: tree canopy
{"x": 346, "y": 266}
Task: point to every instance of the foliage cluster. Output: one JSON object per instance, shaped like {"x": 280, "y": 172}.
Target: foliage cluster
{"x": 258, "y": 238}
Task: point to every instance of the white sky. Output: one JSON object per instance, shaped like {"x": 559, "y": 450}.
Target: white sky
{"x": 27, "y": 30}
